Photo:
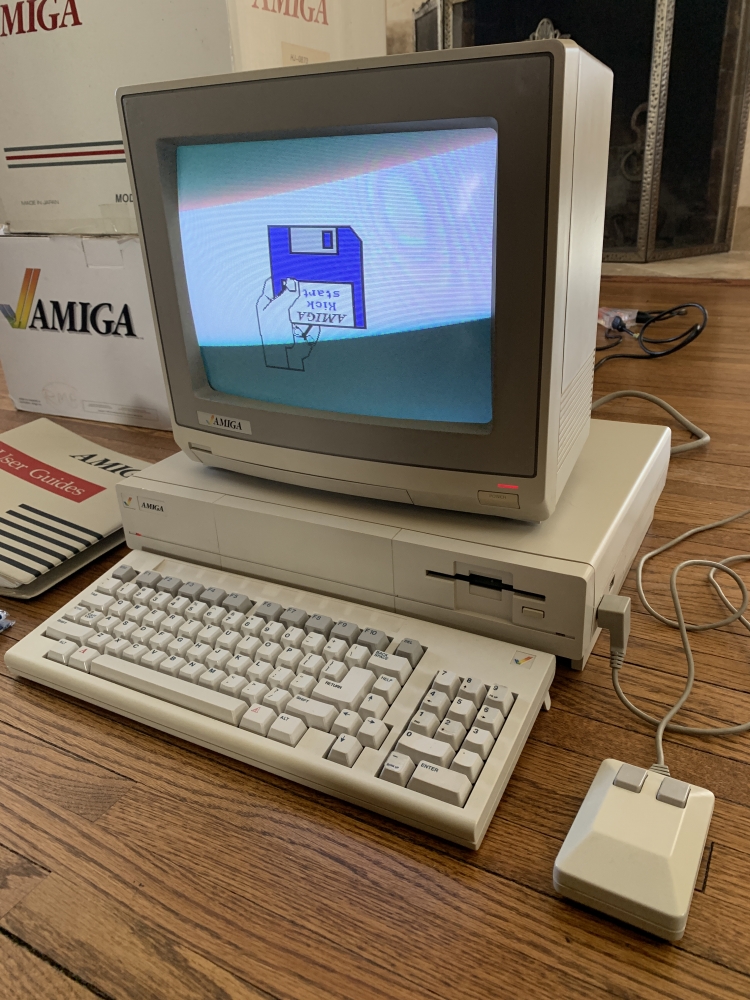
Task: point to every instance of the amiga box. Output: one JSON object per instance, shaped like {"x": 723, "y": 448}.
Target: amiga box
{"x": 77, "y": 336}
{"x": 62, "y": 166}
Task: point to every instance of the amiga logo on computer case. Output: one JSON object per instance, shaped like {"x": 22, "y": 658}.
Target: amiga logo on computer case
{"x": 224, "y": 423}
{"x": 24, "y": 17}
{"x": 312, "y": 11}
{"x": 70, "y": 316}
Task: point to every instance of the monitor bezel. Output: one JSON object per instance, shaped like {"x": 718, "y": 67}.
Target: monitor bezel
{"x": 514, "y": 91}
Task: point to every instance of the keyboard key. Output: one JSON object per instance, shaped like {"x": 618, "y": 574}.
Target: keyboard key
{"x": 500, "y": 697}
{"x": 62, "y": 651}
{"x": 423, "y": 748}
{"x": 115, "y": 647}
{"x": 287, "y": 729}
{"x": 124, "y": 573}
{"x": 160, "y": 602}
{"x": 148, "y": 578}
{"x": 194, "y": 612}
{"x": 172, "y": 665}
{"x": 170, "y": 689}
{"x": 290, "y": 657}
{"x": 387, "y": 687}
{"x": 91, "y": 620}
{"x": 373, "y": 707}
{"x": 259, "y": 671}
{"x": 213, "y": 596}
{"x": 99, "y": 641}
{"x": 315, "y": 714}
{"x": 179, "y": 647}
{"x": 252, "y": 626}
{"x": 357, "y": 656}
{"x": 473, "y": 689}
{"x": 447, "y": 682}
{"x": 277, "y": 699}
{"x": 152, "y": 659}
{"x": 268, "y": 652}
{"x": 347, "y": 723}
{"x": 191, "y": 590}
{"x": 108, "y": 624}
{"x": 315, "y": 643}
{"x": 143, "y": 634}
{"x": 334, "y": 670}
{"x": 281, "y": 677}
{"x": 127, "y": 591}
{"x": 248, "y": 646}
{"x": 335, "y": 649}
{"x": 319, "y": 623}
{"x": 348, "y": 693}
{"x": 215, "y": 616}
{"x": 228, "y": 640}
{"x": 124, "y": 630}
{"x": 239, "y": 664}
{"x": 170, "y": 585}
{"x": 135, "y": 652}
{"x": 258, "y": 719}
{"x": 450, "y": 732}
{"x": 154, "y": 619}
{"x": 387, "y": 663}
{"x": 192, "y": 671}
{"x": 272, "y": 632}
{"x": 311, "y": 664}
{"x": 82, "y": 658}
{"x": 75, "y": 614}
{"x": 491, "y": 719}
{"x": 238, "y": 603}
{"x": 190, "y": 629}
{"x": 143, "y": 596}
{"x": 347, "y": 631}
{"x": 411, "y": 649}
{"x": 398, "y": 768}
{"x": 199, "y": 652}
{"x": 172, "y": 624}
{"x": 233, "y": 621}
{"x": 219, "y": 659}
{"x": 269, "y": 611}
{"x": 372, "y": 733}
{"x": 109, "y": 587}
{"x": 436, "y": 702}
{"x": 373, "y": 639}
{"x": 345, "y": 750}
{"x": 98, "y": 602}
{"x": 294, "y": 618}
{"x": 302, "y": 684}
{"x": 209, "y": 634}
{"x": 212, "y": 678}
{"x": 253, "y": 693}
{"x": 424, "y": 723}
{"x": 469, "y": 763}
{"x": 293, "y": 637}
{"x": 462, "y": 710}
{"x": 479, "y": 741}
{"x": 61, "y": 628}
{"x": 136, "y": 614}
{"x": 440, "y": 783}
{"x": 178, "y": 605}
{"x": 120, "y": 609}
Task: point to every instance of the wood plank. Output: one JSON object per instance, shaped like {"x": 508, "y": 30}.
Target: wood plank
{"x": 18, "y": 876}
{"x": 24, "y": 974}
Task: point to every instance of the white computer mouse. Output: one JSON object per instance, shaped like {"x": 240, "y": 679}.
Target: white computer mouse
{"x": 635, "y": 847}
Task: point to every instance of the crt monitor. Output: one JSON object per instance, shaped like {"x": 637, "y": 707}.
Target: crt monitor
{"x": 381, "y": 278}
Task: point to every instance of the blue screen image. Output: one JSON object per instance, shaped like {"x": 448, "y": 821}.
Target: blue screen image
{"x": 348, "y": 274}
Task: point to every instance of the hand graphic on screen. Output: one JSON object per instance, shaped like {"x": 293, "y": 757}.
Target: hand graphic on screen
{"x": 285, "y": 344}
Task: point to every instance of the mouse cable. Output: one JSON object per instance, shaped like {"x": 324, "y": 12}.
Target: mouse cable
{"x": 678, "y": 341}
{"x": 616, "y": 617}
{"x": 702, "y": 438}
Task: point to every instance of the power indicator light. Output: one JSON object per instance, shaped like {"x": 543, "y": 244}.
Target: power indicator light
{"x": 506, "y": 486}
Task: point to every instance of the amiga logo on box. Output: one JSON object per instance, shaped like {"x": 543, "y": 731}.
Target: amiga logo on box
{"x": 312, "y": 11}
{"x": 73, "y": 317}
{"x": 24, "y": 17}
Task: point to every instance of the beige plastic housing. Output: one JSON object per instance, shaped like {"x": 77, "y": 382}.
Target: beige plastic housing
{"x": 634, "y": 857}
{"x": 541, "y": 582}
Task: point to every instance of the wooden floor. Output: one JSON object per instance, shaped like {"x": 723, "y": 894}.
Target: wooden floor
{"x": 136, "y": 866}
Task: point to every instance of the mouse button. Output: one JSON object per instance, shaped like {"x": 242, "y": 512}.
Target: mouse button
{"x": 630, "y": 777}
{"x": 674, "y": 792}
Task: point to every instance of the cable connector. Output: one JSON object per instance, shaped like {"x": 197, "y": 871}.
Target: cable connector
{"x": 613, "y": 614}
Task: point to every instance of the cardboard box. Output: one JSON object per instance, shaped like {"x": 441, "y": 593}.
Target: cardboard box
{"x": 77, "y": 336}
{"x": 62, "y": 168}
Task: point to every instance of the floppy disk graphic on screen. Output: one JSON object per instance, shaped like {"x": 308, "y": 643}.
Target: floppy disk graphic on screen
{"x": 316, "y": 285}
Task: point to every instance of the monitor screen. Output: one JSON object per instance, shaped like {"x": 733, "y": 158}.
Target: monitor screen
{"x": 347, "y": 274}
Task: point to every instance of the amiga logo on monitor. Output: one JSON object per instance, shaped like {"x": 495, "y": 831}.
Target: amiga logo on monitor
{"x": 389, "y": 270}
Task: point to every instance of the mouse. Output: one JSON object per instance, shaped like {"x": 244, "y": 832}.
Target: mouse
{"x": 635, "y": 847}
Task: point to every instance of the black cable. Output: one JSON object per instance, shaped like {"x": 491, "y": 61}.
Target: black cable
{"x": 679, "y": 341}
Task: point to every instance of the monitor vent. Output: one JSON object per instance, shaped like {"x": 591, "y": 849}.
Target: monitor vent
{"x": 575, "y": 409}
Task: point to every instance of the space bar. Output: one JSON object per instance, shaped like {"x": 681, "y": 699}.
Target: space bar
{"x": 177, "y": 692}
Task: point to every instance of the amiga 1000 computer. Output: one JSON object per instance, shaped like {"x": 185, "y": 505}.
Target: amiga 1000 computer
{"x": 375, "y": 286}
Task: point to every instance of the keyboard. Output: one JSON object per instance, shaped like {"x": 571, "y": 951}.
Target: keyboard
{"x": 417, "y": 721}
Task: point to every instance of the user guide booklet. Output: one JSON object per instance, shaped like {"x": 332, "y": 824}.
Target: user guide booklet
{"x": 58, "y": 506}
